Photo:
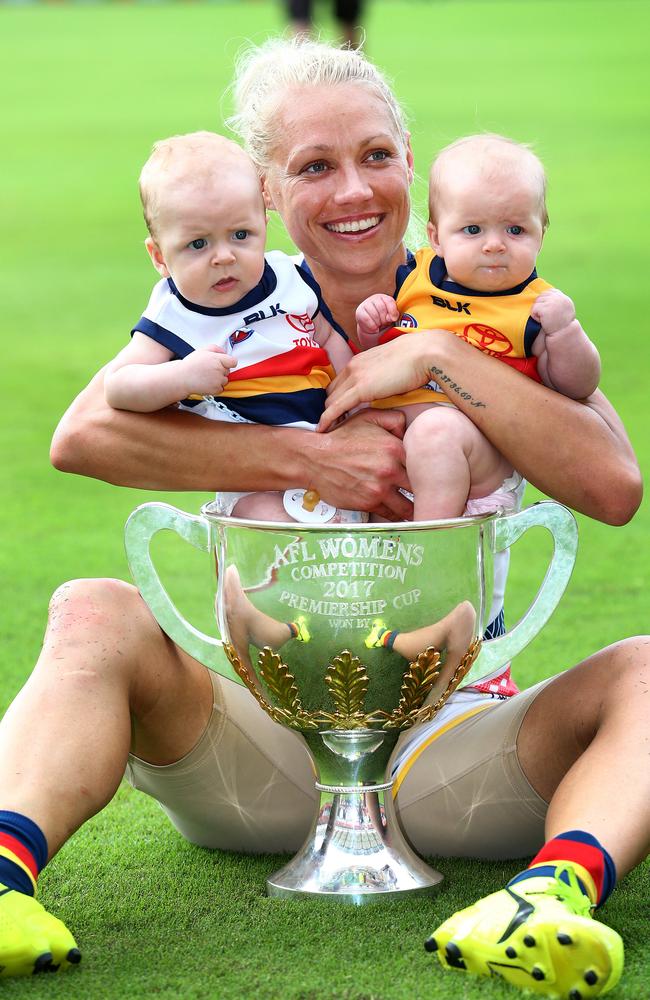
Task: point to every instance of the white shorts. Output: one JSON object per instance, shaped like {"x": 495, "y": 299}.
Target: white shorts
{"x": 248, "y": 784}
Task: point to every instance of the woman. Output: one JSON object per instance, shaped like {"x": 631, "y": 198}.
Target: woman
{"x": 335, "y": 161}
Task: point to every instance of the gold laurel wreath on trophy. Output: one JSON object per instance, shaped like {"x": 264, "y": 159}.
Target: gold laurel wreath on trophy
{"x": 347, "y": 681}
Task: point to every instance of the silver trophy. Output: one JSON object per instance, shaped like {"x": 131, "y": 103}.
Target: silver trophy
{"x": 350, "y": 634}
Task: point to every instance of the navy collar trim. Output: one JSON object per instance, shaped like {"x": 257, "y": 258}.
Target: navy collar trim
{"x": 437, "y": 272}
{"x": 403, "y": 272}
{"x": 256, "y": 295}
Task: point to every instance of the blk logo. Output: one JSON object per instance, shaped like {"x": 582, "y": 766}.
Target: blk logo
{"x": 455, "y": 307}
{"x": 267, "y": 313}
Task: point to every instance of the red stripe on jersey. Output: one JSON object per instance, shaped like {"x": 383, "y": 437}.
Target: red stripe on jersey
{"x": 527, "y": 366}
{"x": 393, "y": 334}
{"x": 299, "y": 361}
{"x": 20, "y": 851}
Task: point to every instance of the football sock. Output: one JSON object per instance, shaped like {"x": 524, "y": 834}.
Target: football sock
{"x": 593, "y": 866}
{"x": 299, "y": 630}
{"x": 381, "y": 636}
{"x": 23, "y": 852}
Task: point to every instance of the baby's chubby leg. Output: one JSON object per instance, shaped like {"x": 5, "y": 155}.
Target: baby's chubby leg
{"x": 261, "y": 507}
{"x": 448, "y": 460}
{"x": 271, "y": 507}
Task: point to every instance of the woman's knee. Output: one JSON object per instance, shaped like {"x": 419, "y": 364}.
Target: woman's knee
{"x": 98, "y": 611}
{"x": 624, "y": 669}
{"x": 610, "y": 682}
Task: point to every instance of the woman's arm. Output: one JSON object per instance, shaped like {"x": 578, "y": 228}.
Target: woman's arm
{"x": 575, "y": 451}
{"x": 360, "y": 464}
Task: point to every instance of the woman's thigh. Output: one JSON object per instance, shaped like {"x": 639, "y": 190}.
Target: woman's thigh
{"x": 462, "y": 792}
{"x": 248, "y": 785}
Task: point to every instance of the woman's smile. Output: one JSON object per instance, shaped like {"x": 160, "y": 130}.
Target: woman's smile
{"x": 354, "y": 226}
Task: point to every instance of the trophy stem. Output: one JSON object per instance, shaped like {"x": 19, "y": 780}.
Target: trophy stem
{"x": 355, "y": 852}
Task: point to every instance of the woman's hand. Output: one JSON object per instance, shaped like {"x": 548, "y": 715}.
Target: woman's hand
{"x": 387, "y": 370}
{"x": 361, "y": 464}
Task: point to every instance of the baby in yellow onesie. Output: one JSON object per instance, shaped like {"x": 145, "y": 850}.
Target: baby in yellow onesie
{"x": 487, "y": 219}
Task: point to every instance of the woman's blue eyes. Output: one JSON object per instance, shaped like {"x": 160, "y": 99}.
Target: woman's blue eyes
{"x": 200, "y": 244}
{"x": 315, "y": 168}
{"x": 320, "y": 166}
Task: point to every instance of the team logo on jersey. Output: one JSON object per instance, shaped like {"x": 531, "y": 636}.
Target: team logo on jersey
{"x": 407, "y": 321}
{"x": 488, "y": 339}
{"x": 239, "y": 336}
{"x": 303, "y": 323}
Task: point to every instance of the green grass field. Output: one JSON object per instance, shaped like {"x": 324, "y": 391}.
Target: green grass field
{"x": 86, "y": 90}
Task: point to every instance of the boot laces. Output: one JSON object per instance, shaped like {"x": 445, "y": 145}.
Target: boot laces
{"x": 569, "y": 893}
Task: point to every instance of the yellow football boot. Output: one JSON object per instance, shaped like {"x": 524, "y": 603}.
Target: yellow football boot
{"x": 304, "y": 634}
{"x": 377, "y": 632}
{"x": 31, "y": 939}
{"x": 538, "y": 935}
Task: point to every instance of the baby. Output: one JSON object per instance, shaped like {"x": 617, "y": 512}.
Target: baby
{"x": 241, "y": 333}
{"x": 487, "y": 219}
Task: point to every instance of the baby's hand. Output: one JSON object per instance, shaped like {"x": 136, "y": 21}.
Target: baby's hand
{"x": 553, "y": 310}
{"x": 375, "y": 314}
{"x": 206, "y": 370}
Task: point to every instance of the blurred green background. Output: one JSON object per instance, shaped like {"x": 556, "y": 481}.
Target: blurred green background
{"x": 86, "y": 89}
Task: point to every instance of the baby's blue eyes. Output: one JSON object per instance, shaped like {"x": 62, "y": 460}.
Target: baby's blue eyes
{"x": 200, "y": 244}
{"x": 511, "y": 230}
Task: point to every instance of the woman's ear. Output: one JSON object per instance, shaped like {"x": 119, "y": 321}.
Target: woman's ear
{"x": 157, "y": 258}
{"x": 266, "y": 194}
{"x": 409, "y": 158}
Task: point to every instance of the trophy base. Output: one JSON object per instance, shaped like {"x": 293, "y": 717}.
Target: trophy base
{"x": 355, "y": 853}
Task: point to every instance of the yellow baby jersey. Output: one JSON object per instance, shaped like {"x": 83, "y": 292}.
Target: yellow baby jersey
{"x": 498, "y": 323}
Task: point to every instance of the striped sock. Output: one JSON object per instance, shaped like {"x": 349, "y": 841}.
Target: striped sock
{"x": 23, "y": 852}
{"x": 388, "y": 638}
{"x": 594, "y": 868}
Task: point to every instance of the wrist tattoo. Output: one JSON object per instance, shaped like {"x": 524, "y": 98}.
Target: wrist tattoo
{"x": 443, "y": 379}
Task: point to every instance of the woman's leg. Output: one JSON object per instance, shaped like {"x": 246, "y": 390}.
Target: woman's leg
{"x": 583, "y": 745}
{"x": 108, "y": 680}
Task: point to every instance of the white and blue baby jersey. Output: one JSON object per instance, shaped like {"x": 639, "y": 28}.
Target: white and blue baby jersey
{"x": 281, "y": 374}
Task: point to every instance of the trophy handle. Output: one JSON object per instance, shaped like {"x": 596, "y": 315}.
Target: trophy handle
{"x": 146, "y": 521}
{"x": 562, "y": 525}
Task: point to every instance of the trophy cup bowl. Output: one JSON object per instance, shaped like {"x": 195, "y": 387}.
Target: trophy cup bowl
{"x": 349, "y": 634}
